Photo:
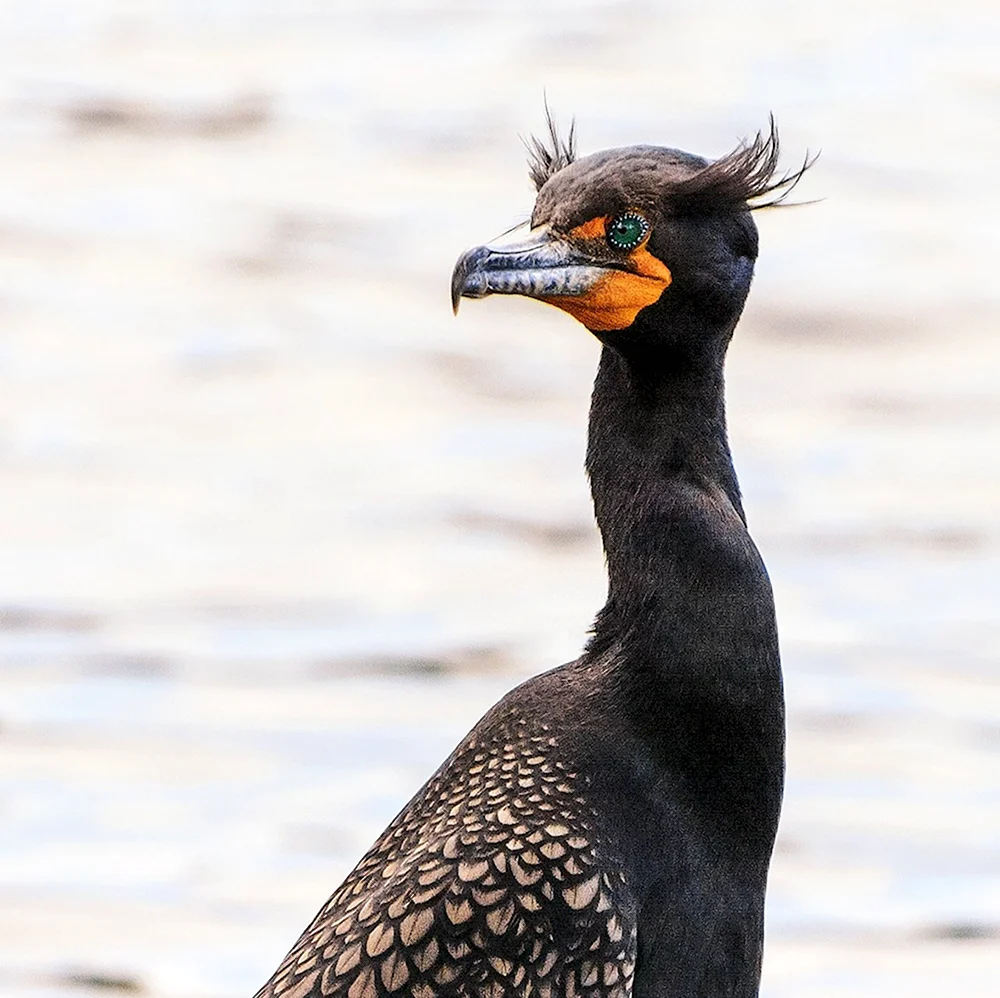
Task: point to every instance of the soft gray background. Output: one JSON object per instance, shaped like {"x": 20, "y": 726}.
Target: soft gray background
{"x": 275, "y": 528}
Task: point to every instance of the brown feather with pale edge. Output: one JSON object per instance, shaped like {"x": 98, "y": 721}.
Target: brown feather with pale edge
{"x": 491, "y": 882}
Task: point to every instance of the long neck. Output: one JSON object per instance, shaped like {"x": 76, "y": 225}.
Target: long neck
{"x": 688, "y": 595}
{"x": 688, "y": 650}
{"x": 657, "y": 424}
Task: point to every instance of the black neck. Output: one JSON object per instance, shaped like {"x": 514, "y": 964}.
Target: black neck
{"x": 686, "y": 649}
{"x": 687, "y": 594}
{"x": 657, "y": 423}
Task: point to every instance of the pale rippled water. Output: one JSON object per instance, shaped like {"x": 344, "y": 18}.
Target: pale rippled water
{"x": 276, "y": 529}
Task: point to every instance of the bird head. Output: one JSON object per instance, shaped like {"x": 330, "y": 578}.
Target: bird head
{"x": 627, "y": 239}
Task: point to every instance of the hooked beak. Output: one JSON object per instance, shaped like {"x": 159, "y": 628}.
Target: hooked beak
{"x": 604, "y": 293}
{"x": 537, "y": 264}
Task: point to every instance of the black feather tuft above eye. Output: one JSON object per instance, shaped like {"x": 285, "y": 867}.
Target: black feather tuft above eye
{"x": 747, "y": 176}
{"x": 546, "y": 158}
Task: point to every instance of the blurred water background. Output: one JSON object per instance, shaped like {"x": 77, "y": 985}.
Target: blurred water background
{"x": 276, "y": 529}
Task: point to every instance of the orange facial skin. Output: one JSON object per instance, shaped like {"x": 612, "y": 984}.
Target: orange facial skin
{"x": 618, "y": 297}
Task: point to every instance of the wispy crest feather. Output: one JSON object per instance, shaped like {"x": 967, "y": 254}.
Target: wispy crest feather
{"x": 546, "y": 158}
{"x": 744, "y": 176}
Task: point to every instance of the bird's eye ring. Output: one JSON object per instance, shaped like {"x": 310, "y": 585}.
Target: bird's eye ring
{"x": 627, "y": 230}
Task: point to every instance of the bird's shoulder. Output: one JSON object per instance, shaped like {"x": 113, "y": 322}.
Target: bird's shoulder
{"x": 493, "y": 881}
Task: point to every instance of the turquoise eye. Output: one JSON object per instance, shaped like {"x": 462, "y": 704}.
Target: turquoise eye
{"x": 627, "y": 230}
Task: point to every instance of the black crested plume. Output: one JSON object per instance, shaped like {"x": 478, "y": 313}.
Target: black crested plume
{"x": 744, "y": 176}
{"x": 548, "y": 158}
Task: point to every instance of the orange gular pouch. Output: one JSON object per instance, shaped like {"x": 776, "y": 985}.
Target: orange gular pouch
{"x": 618, "y": 296}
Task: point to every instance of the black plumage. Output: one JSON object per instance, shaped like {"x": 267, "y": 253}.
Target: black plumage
{"x": 606, "y": 829}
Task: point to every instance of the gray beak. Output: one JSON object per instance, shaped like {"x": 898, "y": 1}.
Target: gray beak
{"x": 536, "y": 263}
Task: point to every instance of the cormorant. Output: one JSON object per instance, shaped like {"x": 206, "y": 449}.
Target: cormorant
{"x": 605, "y": 830}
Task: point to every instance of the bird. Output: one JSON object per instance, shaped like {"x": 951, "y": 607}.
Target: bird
{"x": 605, "y": 830}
